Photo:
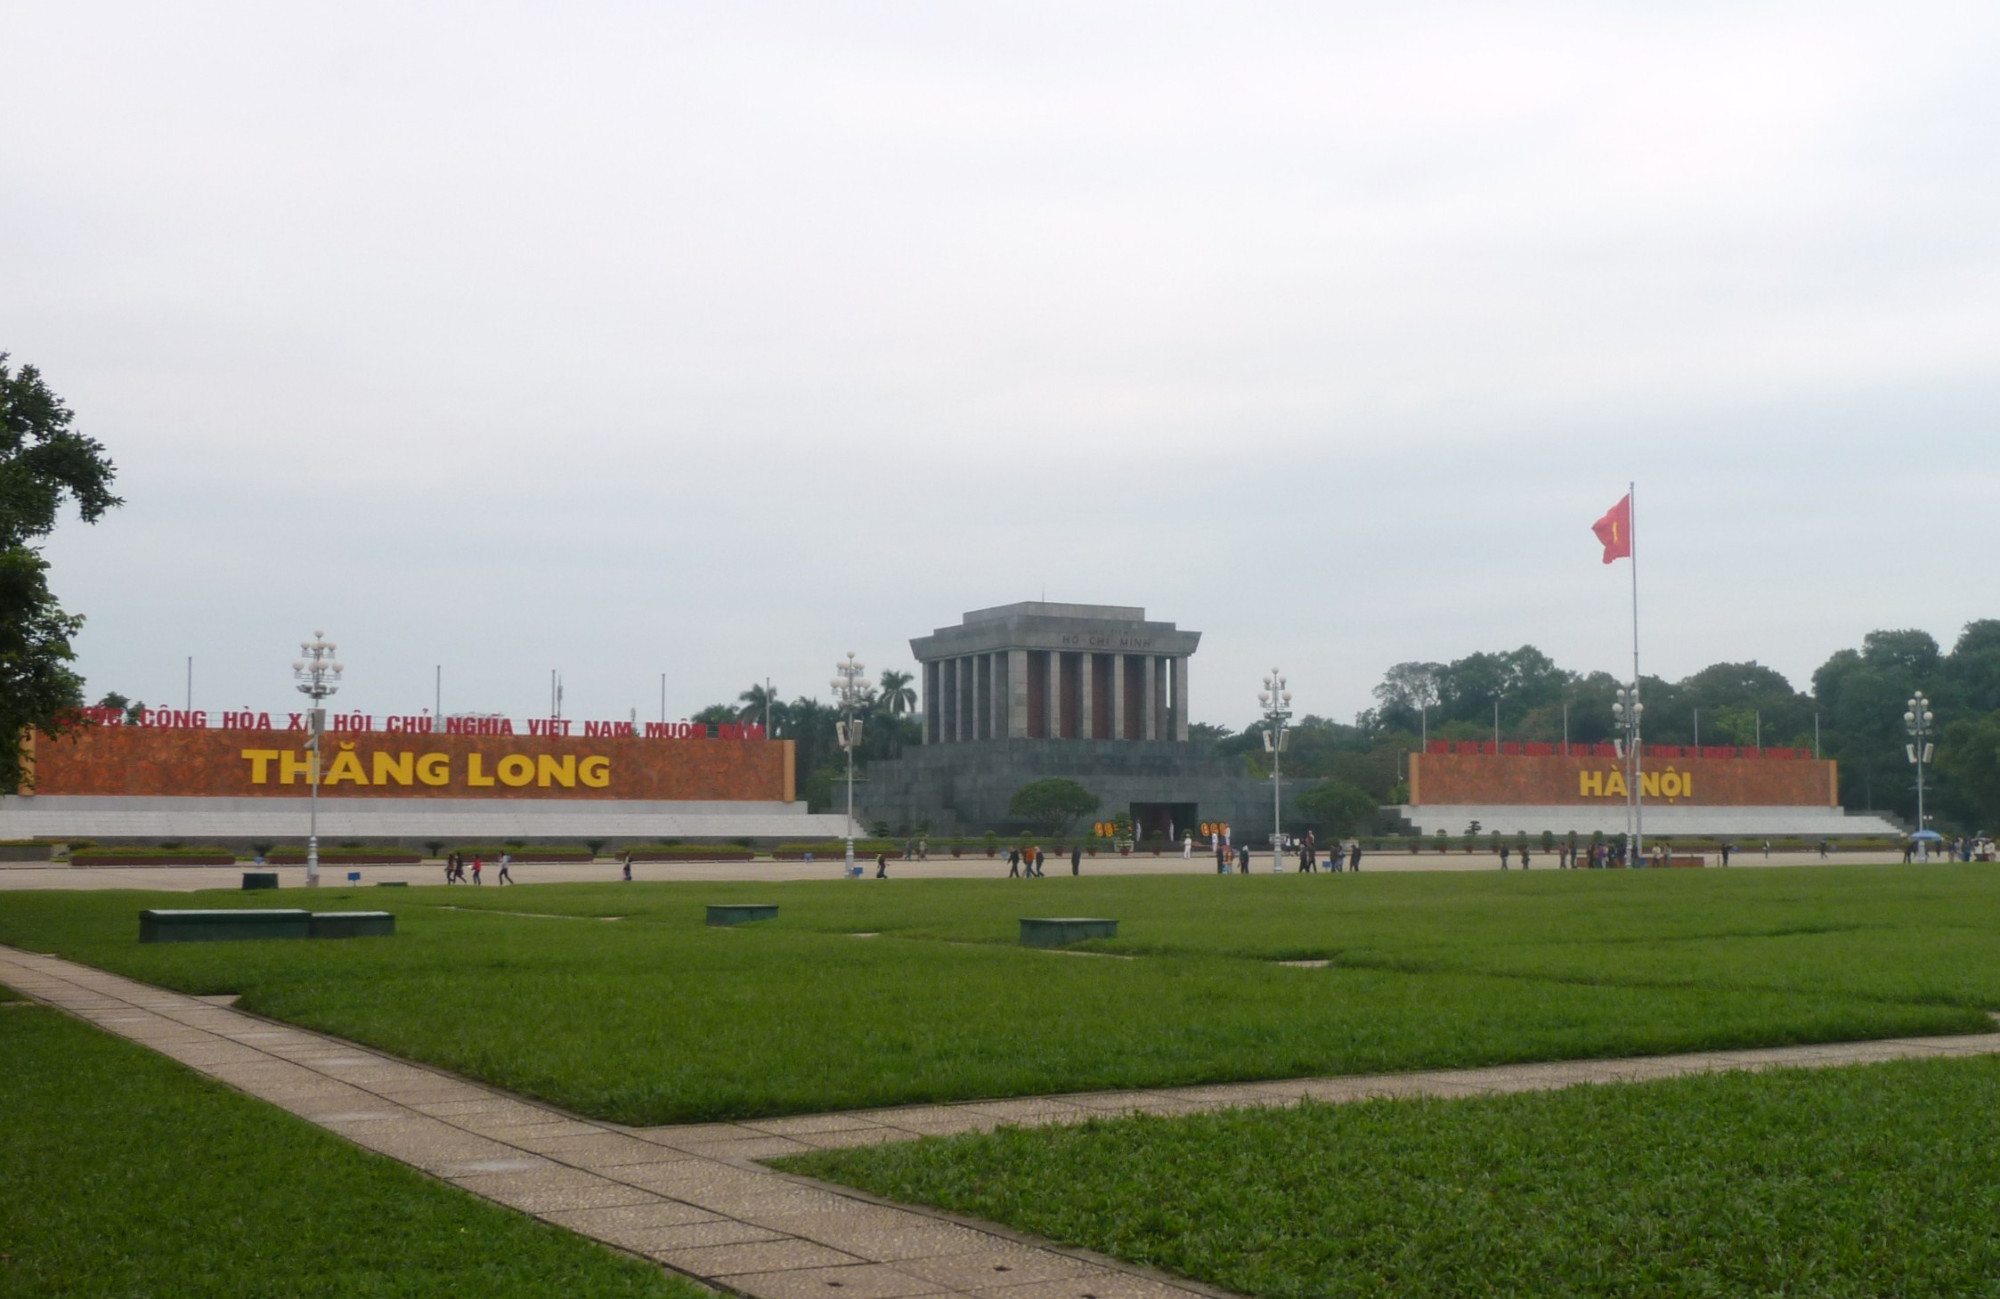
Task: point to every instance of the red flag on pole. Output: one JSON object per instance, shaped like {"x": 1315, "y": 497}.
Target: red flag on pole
{"x": 1615, "y": 530}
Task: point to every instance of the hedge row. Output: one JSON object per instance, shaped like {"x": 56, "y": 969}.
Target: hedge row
{"x": 343, "y": 857}
{"x": 153, "y": 857}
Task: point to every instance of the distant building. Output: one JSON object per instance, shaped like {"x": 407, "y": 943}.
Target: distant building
{"x": 1096, "y": 693}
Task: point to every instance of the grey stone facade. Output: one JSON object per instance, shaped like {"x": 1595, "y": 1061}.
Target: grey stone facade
{"x": 1038, "y": 671}
{"x": 1096, "y": 693}
{"x": 964, "y": 788}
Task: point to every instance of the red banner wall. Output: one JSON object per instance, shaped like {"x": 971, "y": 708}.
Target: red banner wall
{"x": 134, "y": 760}
{"x": 1511, "y": 780}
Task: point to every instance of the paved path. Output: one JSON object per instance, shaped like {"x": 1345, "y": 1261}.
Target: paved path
{"x": 693, "y": 1199}
{"x": 188, "y": 879}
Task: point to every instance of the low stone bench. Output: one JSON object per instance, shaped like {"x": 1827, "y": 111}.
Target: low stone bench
{"x": 260, "y": 879}
{"x": 737, "y": 913}
{"x": 353, "y": 924}
{"x": 245, "y": 924}
{"x": 1060, "y": 931}
{"x": 222, "y": 926}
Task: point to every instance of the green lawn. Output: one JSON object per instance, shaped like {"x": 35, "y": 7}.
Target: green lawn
{"x": 1879, "y": 1180}
{"x": 121, "y": 1173}
{"x": 655, "y": 1018}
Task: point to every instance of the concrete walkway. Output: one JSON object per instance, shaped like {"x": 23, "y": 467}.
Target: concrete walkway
{"x": 188, "y": 879}
{"x": 692, "y": 1198}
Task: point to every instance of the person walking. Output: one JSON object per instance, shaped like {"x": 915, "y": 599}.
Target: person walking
{"x": 1243, "y": 860}
{"x": 1354, "y": 855}
{"x": 1221, "y": 866}
{"x": 1524, "y": 856}
{"x": 478, "y": 863}
{"x": 1013, "y": 863}
{"x": 625, "y": 867}
{"x": 506, "y": 876}
{"x": 881, "y": 865}
{"x": 1504, "y": 850}
{"x": 1187, "y": 846}
{"x": 1075, "y": 860}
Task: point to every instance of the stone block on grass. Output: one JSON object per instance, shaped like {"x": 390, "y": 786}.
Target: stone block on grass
{"x": 1060, "y": 931}
{"x": 738, "y": 913}
{"x": 353, "y": 924}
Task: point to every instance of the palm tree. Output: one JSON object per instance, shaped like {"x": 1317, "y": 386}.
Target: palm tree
{"x": 896, "y": 696}
{"x": 756, "y": 701}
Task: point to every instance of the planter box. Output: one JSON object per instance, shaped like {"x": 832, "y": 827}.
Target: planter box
{"x": 260, "y": 879}
{"x": 115, "y": 859}
{"x": 352, "y": 924}
{"x": 221, "y": 926}
{"x": 739, "y": 913}
{"x": 346, "y": 859}
{"x": 1060, "y": 931}
{"x": 26, "y": 852}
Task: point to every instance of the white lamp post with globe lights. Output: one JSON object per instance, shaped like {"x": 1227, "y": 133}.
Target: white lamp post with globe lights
{"x": 1628, "y": 710}
{"x": 1917, "y": 720}
{"x": 1277, "y": 704}
{"x": 849, "y": 689}
{"x": 318, "y": 675}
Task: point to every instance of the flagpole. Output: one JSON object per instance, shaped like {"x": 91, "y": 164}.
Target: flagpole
{"x": 1638, "y": 813}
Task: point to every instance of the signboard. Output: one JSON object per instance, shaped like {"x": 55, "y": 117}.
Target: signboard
{"x": 392, "y": 763}
{"x": 1596, "y": 778}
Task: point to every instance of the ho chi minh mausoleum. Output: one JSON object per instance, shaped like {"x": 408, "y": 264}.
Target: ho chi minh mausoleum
{"x": 1096, "y": 693}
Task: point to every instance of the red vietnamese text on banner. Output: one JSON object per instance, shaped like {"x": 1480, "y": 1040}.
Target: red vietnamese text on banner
{"x": 1615, "y": 530}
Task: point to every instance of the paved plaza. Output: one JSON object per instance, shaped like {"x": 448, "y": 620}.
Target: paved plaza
{"x": 693, "y": 1198}
{"x": 189, "y": 879}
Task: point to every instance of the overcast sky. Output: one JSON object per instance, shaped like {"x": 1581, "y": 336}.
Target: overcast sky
{"x": 718, "y": 340}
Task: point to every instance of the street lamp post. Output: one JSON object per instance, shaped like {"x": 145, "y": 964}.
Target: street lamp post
{"x": 1917, "y": 719}
{"x": 1628, "y": 710}
{"x": 318, "y": 675}
{"x": 849, "y": 689}
{"x": 1277, "y": 704}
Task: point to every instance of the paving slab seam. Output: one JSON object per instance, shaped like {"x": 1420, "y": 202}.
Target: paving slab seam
{"x": 694, "y": 1199}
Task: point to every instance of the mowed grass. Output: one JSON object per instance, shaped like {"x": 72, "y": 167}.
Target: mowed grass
{"x": 121, "y": 1173}
{"x": 1878, "y": 1180}
{"x": 653, "y": 1017}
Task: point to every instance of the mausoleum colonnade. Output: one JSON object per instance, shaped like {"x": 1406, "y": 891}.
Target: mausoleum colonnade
{"x": 1055, "y": 694}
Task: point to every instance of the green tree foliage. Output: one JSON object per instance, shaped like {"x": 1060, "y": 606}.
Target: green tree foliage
{"x": 1337, "y": 809}
{"x": 1970, "y": 758}
{"x": 898, "y": 696}
{"x": 44, "y": 464}
{"x": 1053, "y": 804}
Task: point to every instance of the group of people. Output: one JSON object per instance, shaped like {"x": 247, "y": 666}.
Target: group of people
{"x": 454, "y": 869}
{"x": 1339, "y": 856}
{"x": 1026, "y": 862}
{"x": 1569, "y": 856}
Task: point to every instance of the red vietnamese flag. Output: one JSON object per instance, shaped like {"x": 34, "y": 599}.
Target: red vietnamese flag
{"x": 1615, "y": 530}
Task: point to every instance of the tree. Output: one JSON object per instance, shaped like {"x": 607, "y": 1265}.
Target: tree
{"x": 134, "y": 709}
{"x": 1337, "y": 808}
{"x": 1052, "y": 804}
{"x": 43, "y": 465}
{"x": 757, "y": 703}
{"x": 1970, "y": 759}
{"x": 896, "y": 696}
